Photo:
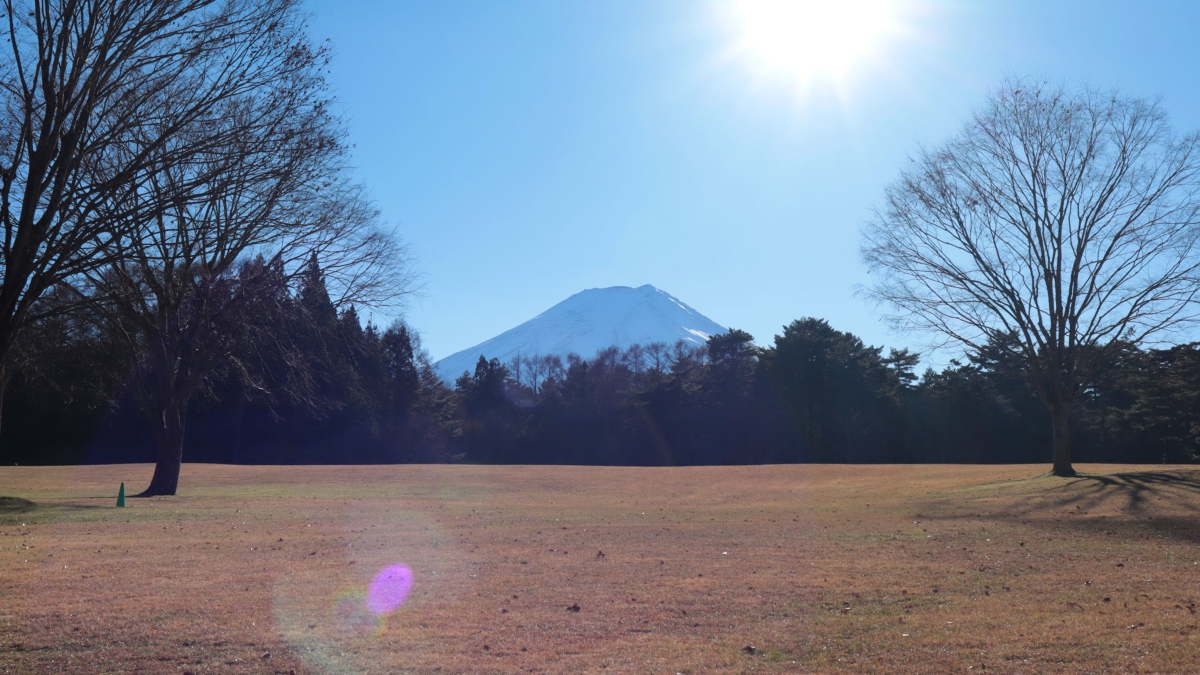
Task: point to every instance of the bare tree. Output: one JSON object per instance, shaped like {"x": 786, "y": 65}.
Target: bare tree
{"x": 514, "y": 367}
{"x": 1061, "y": 220}
{"x": 573, "y": 360}
{"x": 656, "y": 354}
{"x": 685, "y": 355}
{"x": 535, "y": 373}
{"x": 552, "y": 368}
{"x": 606, "y": 360}
{"x": 93, "y": 92}
{"x": 214, "y": 237}
{"x": 634, "y": 358}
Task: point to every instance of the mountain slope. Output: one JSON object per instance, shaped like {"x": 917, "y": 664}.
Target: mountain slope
{"x": 589, "y": 321}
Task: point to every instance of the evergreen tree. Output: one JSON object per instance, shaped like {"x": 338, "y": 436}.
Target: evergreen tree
{"x": 840, "y": 393}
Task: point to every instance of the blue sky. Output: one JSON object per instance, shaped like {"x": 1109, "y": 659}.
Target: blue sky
{"x": 527, "y": 150}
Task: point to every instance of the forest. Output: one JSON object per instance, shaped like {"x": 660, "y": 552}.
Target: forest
{"x": 340, "y": 393}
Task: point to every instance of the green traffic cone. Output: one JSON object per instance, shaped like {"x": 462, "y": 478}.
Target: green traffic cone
{"x": 121, "y": 497}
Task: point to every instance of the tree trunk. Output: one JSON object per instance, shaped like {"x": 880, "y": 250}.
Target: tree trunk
{"x": 3, "y": 389}
{"x": 1060, "y": 418}
{"x": 168, "y": 436}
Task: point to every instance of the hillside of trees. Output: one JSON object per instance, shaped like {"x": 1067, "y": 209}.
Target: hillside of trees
{"x": 369, "y": 395}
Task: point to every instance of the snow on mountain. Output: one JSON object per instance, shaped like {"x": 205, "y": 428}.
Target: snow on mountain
{"x": 589, "y": 321}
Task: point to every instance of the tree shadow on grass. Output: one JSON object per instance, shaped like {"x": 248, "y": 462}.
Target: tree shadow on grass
{"x": 1128, "y": 505}
{"x": 16, "y": 507}
{"x": 1142, "y": 504}
{"x": 1131, "y": 491}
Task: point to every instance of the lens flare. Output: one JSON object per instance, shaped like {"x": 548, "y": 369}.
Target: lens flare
{"x": 389, "y": 588}
{"x": 350, "y": 614}
{"x": 362, "y": 591}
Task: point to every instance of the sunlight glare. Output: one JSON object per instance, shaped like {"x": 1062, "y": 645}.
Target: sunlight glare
{"x": 810, "y": 39}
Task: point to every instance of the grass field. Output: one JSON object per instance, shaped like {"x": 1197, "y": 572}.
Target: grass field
{"x": 929, "y": 569}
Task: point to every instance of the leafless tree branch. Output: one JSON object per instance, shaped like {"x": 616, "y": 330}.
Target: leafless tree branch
{"x": 1065, "y": 217}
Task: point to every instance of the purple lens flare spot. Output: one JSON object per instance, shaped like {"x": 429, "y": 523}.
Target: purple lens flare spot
{"x": 389, "y": 588}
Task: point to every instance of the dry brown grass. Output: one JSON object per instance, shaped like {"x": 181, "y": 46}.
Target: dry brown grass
{"x": 821, "y": 568}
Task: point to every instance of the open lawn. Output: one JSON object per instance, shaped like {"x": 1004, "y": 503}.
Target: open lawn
{"x": 929, "y": 569}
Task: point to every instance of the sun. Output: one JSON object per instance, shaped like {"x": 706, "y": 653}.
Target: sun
{"x": 812, "y": 39}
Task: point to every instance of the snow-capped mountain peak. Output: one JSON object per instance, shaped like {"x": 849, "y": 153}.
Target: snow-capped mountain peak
{"x": 589, "y": 321}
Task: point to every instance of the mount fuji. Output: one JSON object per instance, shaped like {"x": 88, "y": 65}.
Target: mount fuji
{"x": 589, "y": 321}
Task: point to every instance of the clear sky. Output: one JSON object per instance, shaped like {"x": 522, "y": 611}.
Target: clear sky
{"x": 527, "y": 150}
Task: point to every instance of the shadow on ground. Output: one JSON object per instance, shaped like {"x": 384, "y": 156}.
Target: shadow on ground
{"x": 16, "y": 509}
{"x": 16, "y": 505}
{"x": 1136, "y": 487}
{"x": 1127, "y": 505}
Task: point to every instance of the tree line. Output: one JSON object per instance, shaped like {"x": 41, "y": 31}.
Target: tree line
{"x": 333, "y": 391}
{"x": 815, "y": 394}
